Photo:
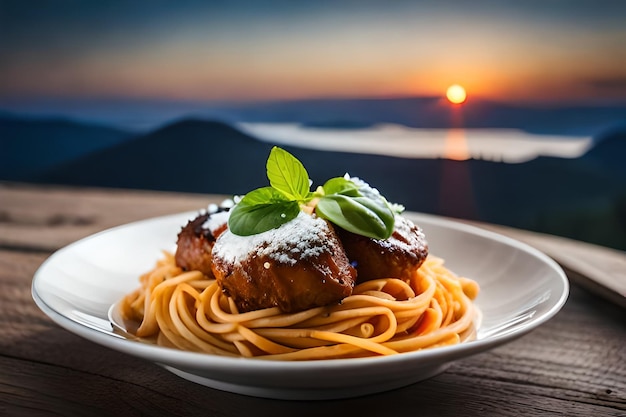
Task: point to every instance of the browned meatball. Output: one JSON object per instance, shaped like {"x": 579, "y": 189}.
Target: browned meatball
{"x": 297, "y": 266}
{"x": 396, "y": 257}
{"x": 195, "y": 242}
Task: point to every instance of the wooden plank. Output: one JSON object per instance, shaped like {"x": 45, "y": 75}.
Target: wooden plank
{"x": 48, "y": 218}
{"x": 573, "y": 365}
{"x": 41, "y": 389}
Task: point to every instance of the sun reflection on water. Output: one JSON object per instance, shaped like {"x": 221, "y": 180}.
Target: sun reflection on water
{"x": 455, "y": 146}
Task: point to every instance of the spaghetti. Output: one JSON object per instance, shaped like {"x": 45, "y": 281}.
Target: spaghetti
{"x": 187, "y": 310}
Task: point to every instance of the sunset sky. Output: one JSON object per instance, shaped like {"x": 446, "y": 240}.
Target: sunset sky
{"x": 545, "y": 51}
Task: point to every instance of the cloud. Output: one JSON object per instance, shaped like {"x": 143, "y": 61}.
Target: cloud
{"x": 613, "y": 85}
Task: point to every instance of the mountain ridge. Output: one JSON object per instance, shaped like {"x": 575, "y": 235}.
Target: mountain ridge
{"x": 583, "y": 198}
{"x": 212, "y": 157}
{"x": 29, "y": 146}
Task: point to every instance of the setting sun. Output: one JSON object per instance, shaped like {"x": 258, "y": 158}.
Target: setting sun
{"x": 456, "y": 94}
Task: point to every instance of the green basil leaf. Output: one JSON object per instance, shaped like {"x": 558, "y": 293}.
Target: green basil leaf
{"x": 368, "y": 191}
{"x": 261, "y": 210}
{"x": 264, "y": 195}
{"x": 359, "y": 215}
{"x": 247, "y": 220}
{"x": 340, "y": 185}
{"x": 287, "y": 174}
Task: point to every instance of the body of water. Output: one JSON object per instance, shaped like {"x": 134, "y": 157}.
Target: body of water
{"x": 505, "y": 145}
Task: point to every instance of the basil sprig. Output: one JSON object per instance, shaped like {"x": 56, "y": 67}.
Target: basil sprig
{"x": 351, "y": 205}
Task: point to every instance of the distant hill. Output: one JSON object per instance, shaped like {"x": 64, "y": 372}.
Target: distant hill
{"x": 30, "y": 146}
{"x": 609, "y": 151}
{"x": 569, "y": 197}
{"x": 212, "y": 157}
{"x": 189, "y": 155}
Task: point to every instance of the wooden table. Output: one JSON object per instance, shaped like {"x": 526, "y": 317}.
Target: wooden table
{"x": 574, "y": 365}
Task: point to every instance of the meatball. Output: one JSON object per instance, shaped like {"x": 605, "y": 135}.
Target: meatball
{"x": 396, "y": 257}
{"x": 195, "y": 241}
{"x": 297, "y": 266}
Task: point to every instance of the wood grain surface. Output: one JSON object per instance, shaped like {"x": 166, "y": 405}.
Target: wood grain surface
{"x": 574, "y": 365}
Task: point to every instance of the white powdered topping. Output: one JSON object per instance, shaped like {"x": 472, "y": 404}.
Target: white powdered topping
{"x": 410, "y": 236}
{"x": 224, "y": 205}
{"x": 365, "y": 189}
{"x": 216, "y": 220}
{"x": 299, "y": 239}
{"x": 212, "y": 208}
{"x": 228, "y": 203}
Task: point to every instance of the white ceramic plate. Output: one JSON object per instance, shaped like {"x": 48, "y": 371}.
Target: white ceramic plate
{"x": 521, "y": 288}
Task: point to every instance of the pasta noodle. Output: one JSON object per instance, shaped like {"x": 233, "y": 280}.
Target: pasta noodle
{"x": 187, "y": 310}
